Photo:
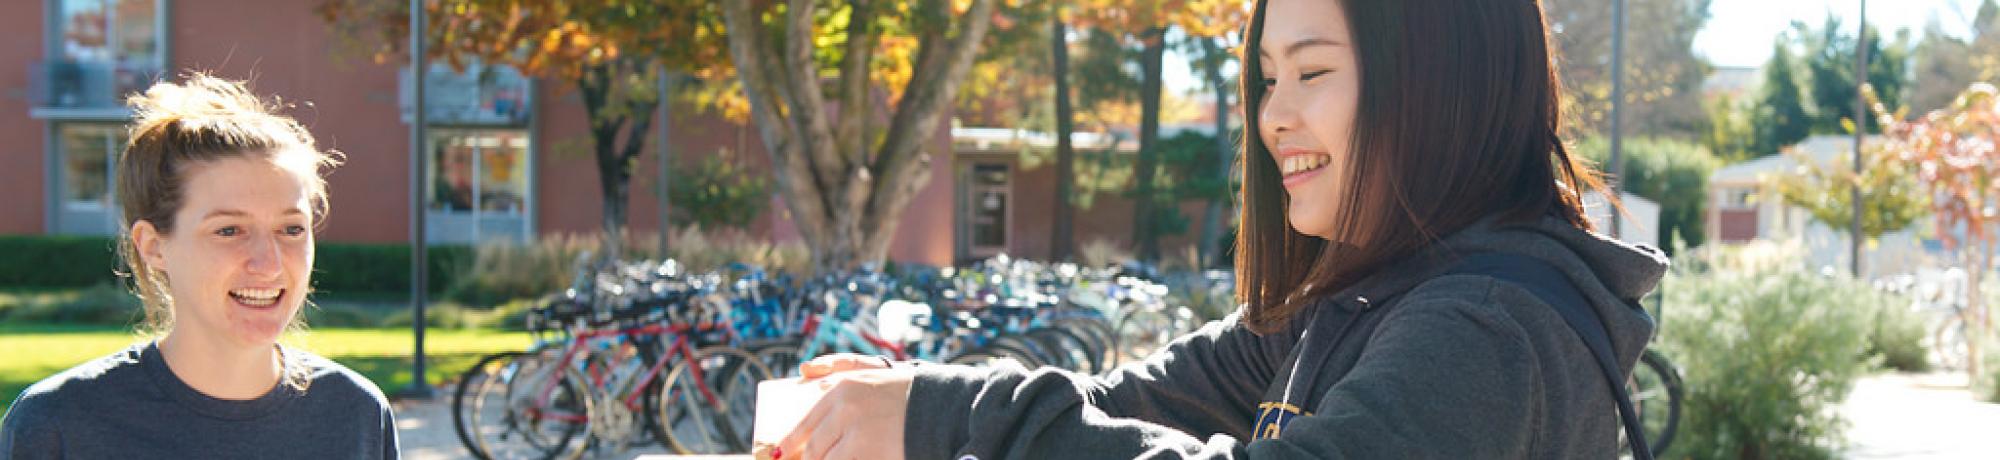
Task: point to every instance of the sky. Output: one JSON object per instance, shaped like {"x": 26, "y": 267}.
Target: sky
{"x": 1739, "y": 33}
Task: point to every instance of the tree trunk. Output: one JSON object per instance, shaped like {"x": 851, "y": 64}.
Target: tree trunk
{"x": 1150, "y": 64}
{"x": 845, "y": 192}
{"x": 1974, "y": 316}
{"x": 1062, "y": 238}
{"x": 670, "y": 85}
{"x": 1219, "y": 207}
{"x": 614, "y": 161}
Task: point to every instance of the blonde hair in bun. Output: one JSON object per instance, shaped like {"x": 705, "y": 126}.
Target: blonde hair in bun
{"x": 179, "y": 126}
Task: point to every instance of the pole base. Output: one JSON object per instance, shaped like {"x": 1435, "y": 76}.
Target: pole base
{"x": 416, "y": 391}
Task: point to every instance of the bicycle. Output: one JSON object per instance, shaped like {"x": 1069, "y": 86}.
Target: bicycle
{"x": 1656, "y": 390}
{"x": 647, "y": 365}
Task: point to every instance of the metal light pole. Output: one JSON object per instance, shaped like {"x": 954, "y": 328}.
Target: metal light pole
{"x": 419, "y": 388}
{"x": 667, "y": 85}
{"x": 1860, "y": 129}
{"x": 1617, "y": 114}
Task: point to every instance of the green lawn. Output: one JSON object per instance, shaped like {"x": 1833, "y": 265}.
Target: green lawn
{"x": 29, "y": 353}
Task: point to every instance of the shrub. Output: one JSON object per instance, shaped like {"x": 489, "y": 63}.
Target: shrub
{"x": 1896, "y": 334}
{"x": 351, "y": 269}
{"x": 713, "y": 250}
{"x": 719, "y": 191}
{"x": 502, "y": 271}
{"x": 104, "y": 303}
{"x": 51, "y": 261}
{"x": 339, "y": 314}
{"x": 499, "y": 273}
{"x": 1670, "y": 172}
{"x": 1766, "y": 354}
{"x": 339, "y": 269}
{"x": 1100, "y": 252}
{"x": 1987, "y": 386}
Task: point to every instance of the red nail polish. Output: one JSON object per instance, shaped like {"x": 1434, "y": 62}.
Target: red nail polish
{"x": 777, "y": 453}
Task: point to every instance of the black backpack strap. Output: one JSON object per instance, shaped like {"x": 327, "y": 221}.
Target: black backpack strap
{"x": 1553, "y": 287}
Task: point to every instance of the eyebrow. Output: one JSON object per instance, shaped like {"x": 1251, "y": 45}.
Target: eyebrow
{"x": 238, "y": 213}
{"x": 1308, "y": 42}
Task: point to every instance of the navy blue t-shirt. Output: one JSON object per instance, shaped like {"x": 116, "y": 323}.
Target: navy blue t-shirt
{"x": 130, "y": 405}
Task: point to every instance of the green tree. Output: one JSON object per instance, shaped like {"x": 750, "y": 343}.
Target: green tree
{"x": 1732, "y": 128}
{"x": 1212, "y": 56}
{"x": 1780, "y": 111}
{"x": 1186, "y": 173}
{"x": 719, "y": 191}
{"x": 1150, "y": 24}
{"x": 1944, "y": 65}
{"x": 1829, "y": 64}
{"x": 1671, "y": 172}
{"x": 1891, "y": 197}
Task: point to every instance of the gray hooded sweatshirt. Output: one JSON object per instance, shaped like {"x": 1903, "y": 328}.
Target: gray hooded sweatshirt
{"x": 1410, "y": 362}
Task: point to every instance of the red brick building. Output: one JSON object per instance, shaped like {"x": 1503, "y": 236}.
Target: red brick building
{"x": 495, "y": 172}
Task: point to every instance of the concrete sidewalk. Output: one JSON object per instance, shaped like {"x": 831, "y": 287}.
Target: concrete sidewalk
{"x": 1893, "y": 416}
{"x": 425, "y": 430}
{"x": 1919, "y": 416}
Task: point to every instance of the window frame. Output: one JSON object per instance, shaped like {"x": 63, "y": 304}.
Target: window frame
{"x": 435, "y": 216}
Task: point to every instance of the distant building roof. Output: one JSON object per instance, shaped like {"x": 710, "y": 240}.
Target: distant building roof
{"x": 1005, "y": 138}
{"x": 1821, "y": 148}
{"x": 1734, "y": 81}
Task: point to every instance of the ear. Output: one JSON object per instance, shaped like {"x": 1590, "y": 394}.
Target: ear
{"x": 146, "y": 241}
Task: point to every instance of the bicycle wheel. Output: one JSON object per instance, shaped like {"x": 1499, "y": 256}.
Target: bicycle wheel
{"x": 975, "y": 358}
{"x": 1022, "y": 350}
{"x": 1656, "y": 394}
{"x": 711, "y": 415}
{"x": 1948, "y": 343}
{"x": 488, "y": 368}
{"x": 782, "y": 359}
{"x": 1097, "y": 336}
{"x": 528, "y": 408}
{"x": 1071, "y": 351}
{"x": 1139, "y": 334}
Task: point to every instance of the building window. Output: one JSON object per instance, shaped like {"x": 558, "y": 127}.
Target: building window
{"x": 110, "y": 30}
{"x": 987, "y": 210}
{"x": 479, "y": 183}
{"x": 88, "y": 152}
{"x": 478, "y": 95}
{"x": 1739, "y": 198}
{"x": 86, "y": 156}
{"x": 102, "y": 50}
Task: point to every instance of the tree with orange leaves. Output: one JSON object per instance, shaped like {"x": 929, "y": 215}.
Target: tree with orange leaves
{"x": 1953, "y": 152}
{"x": 612, "y": 51}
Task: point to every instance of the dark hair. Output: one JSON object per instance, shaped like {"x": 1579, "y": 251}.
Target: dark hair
{"x": 1457, "y": 121}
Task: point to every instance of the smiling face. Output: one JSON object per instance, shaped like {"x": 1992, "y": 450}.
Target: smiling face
{"x": 1306, "y": 121}
{"x": 239, "y": 258}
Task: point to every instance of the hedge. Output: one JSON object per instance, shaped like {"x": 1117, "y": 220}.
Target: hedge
{"x": 56, "y": 261}
{"x": 342, "y": 269}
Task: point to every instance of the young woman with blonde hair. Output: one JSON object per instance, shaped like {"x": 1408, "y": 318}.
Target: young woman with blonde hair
{"x": 220, "y": 197}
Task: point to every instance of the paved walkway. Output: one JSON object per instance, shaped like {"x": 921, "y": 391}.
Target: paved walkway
{"x": 1919, "y": 416}
{"x": 1893, "y": 416}
{"x": 425, "y": 430}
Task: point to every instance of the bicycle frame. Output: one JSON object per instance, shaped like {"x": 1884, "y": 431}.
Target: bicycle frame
{"x": 581, "y": 341}
{"x": 819, "y": 337}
